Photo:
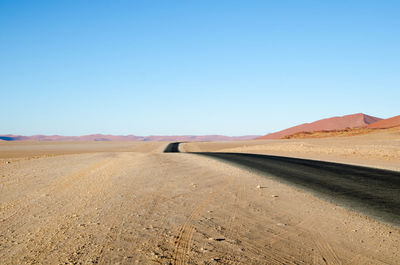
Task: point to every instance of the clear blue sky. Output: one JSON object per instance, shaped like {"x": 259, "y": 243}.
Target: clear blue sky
{"x": 194, "y": 67}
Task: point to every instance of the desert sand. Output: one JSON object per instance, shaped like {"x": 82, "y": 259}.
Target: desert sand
{"x": 130, "y": 203}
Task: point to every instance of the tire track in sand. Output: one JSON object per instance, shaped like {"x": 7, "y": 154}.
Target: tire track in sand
{"x": 59, "y": 184}
{"x": 185, "y": 234}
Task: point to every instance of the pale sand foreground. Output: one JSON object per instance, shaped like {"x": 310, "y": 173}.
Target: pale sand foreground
{"x": 130, "y": 203}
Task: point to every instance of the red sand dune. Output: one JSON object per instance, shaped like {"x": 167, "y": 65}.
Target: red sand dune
{"x": 334, "y": 123}
{"x": 102, "y": 137}
{"x": 386, "y": 123}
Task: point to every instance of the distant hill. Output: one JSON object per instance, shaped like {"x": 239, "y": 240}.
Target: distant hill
{"x": 386, "y": 123}
{"x": 103, "y": 137}
{"x": 92, "y": 137}
{"x": 189, "y": 138}
{"x": 334, "y": 123}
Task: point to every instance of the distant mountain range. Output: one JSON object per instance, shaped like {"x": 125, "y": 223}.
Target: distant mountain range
{"x": 104, "y": 137}
{"x": 358, "y": 120}
{"x": 334, "y": 123}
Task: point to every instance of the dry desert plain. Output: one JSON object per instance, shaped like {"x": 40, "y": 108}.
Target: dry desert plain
{"x": 130, "y": 203}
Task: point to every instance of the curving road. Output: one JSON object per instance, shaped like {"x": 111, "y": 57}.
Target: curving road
{"x": 172, "y": 148}
{"x": 375, "y": 192}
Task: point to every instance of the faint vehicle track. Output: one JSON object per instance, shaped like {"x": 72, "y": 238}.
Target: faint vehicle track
{"x": 185, "y": 234}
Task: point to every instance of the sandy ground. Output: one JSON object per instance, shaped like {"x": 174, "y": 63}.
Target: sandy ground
{"x": 380, "y": 149}
{"x": 129, "y": 203}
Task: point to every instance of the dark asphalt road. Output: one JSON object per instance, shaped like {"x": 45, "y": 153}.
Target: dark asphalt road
{"x": 374, "y": 192}
{"x": 172, "y": 148}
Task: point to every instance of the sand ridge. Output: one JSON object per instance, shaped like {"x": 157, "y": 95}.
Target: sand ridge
{"x": 334, "y": 123}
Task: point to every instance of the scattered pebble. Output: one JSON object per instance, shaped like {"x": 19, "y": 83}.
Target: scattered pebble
{"x": 274, "y": 196}
{"x": 258, "y": 187}
{"x": 281, "y": 224}
{"x": 216, "y": 239}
